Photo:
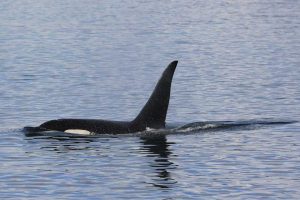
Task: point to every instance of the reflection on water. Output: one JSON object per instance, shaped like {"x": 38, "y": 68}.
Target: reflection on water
{"x": 158, "y": 147}
{"x": 231, "y": 162}
{"x": 155, "y": 147}
{"x": 67, "y": 145}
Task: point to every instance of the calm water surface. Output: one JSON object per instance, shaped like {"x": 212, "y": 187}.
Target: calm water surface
{"x": 238, "y": 60}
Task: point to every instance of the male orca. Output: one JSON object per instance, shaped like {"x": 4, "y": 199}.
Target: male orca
{"x": 153, "y": 114}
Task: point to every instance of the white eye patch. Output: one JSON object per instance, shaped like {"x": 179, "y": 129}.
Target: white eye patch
{"x": 78, "y": 131}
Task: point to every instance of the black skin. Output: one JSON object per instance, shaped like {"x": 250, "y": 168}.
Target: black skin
{"x": 153, "y": 114}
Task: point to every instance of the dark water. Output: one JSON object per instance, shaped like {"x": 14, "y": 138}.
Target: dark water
{"x": 239, "y": 70}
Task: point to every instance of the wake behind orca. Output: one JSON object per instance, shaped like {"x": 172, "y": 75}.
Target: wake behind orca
{"x": 153, "y": 114}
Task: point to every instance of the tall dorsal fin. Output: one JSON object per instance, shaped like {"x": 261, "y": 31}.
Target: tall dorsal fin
{"x": 153, "y": 114}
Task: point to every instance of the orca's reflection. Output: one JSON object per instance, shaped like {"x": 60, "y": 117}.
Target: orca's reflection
{"x": 158, "y": 147}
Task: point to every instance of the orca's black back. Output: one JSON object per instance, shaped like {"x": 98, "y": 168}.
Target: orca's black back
{"x": 91, "y": 125}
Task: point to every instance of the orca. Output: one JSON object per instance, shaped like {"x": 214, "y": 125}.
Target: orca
{"x": 152, "y": 115}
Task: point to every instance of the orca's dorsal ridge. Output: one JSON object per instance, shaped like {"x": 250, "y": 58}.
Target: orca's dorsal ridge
{"x": 152, "y": 115}
{"x": 154, "y": 112}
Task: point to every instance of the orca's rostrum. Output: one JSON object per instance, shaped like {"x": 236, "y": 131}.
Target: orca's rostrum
{"x": 153, "y": 114}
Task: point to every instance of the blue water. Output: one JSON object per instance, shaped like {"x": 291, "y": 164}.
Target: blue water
{"x": 238, "y": 61}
